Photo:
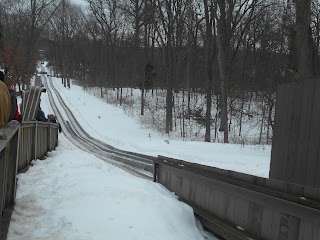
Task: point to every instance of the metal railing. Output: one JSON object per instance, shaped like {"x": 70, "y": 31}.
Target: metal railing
{"x": 19, "y": 145}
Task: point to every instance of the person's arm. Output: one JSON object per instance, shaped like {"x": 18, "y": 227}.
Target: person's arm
{"x": 13, "y": 105}
{"x": 17, "y": 115}
{"x": 41, "y": 117}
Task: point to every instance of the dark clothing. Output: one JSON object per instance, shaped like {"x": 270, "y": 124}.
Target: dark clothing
{"x": 60, "y": 129}
{"x": 41, "y": 117}
{"x": 2, "y": 76}
{"x": 52, "y": 118}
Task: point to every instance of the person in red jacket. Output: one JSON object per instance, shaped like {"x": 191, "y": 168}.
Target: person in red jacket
{"x": 14, "y": 112}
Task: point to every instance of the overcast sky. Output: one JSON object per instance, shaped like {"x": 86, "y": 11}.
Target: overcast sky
{"x": 82, "y": 2}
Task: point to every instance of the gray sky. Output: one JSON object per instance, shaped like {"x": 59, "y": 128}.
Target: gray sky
{"x": 81, "y": 2}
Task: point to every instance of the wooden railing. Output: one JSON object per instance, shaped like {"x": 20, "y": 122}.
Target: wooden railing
{"x": 241, "y": 206}
{"x": 19, "y": 145}
{"x": 296, "y": 135}
{"x": 37, "y": 139}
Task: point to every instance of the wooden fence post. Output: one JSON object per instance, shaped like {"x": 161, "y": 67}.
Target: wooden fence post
{"x": 155, "y": 171}
{"x": 35, "y": 140}
{"x": 49, "y": 139}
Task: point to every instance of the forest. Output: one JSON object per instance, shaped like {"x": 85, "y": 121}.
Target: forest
{"x": 215, "y": 62}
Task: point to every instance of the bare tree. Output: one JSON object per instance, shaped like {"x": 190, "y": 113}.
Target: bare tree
{"x": 209, "y": 48}
{"x": 136, "y": 11}
{"x": 165, "y": 31}
{"x": 303, "y": 39}
{"x": 232, "y": 16}
{"x": 40, "y": 14}
{"x": 106, "y": 14}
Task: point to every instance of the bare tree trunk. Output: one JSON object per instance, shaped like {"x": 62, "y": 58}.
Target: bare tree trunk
{"x": 189, "y": 55}
{"x": 208, "y": 67}
{"x": 145, "y": 69}
{"x": 169, "y": 102}
{"x": 241, "y": 113}
{"x": 223, "y": 46}
{"x": 303, "y": 39}
{"x": 216, "y": 120}
{"x": 183, "y": 114}
{"x": 262, "y": 123}
{"x": 142, "y": 99}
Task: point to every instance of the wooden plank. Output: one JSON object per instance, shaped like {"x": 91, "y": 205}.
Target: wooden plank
{"x": 220, "y": 227}
{"x": 5, "y": 222}
{"x": 276, "y": 134}
{"x": 212, "y": 201}
{"x": 285, "y": 141}
{"x": 11, "y": 174}
{"x": 225, "y": 205}
{"x": 186, "y": 188}
{"x": 205, "y": 197}
{"x": 161, "y": 174}
{"x": 276, "y": 216}
{"x": 314, "y": 141}
{"x": 247, "y": 192}
{"x": 5, "y": 178}
{"x": 200, "y": 190}
{"x": 241, "y": 213}
{"x": 295, "y": 189}
{"x": 316, "y": 174}
{"x": 305, "y": 231}
{"x": 191, "y": 193}
{"x": 294, "y": 226}
{"x": 194, "y": 193}
{"x": 215, "y": 202}
{"x": 289, "y": 227}
{"x": 7, "y": 132}
{"x": 275, "y": 184}
{"x": 291, "y": 171}
{"x": 270, "y": 184}
{"x": 316, "y": 232}
{"x": 312, "y": 193}
{"x": 276, "y": 156}
{"x": 178, "y": 184}
{"x": 279, "y": 217}
{"x": 230, "y": 207}
{"x": 221, "y": 199}
{"x": 255, "y": 218}
{"x": 2, "y": 181}
{"x": 302, "y": 150}
{"x": 167, "y": 180}
{"x": 268, "y": 225}
{"x": 243, "y": 177}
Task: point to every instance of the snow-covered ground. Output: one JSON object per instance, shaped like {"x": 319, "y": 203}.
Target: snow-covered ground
{"x": 74, "y": 195}
{"x": 111, "y": 125}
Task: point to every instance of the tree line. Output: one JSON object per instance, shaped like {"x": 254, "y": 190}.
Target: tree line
{"x": 226, "y": 49}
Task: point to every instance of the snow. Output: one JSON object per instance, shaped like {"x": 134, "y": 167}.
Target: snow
{"x": 110, "y": 124}
{"x": 75, "y": 195}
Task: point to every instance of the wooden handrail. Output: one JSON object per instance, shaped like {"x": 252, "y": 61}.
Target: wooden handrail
{"x": 20, "y": 143}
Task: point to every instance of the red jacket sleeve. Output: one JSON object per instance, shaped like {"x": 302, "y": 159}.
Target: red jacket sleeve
{"x": 17, "y": 114}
